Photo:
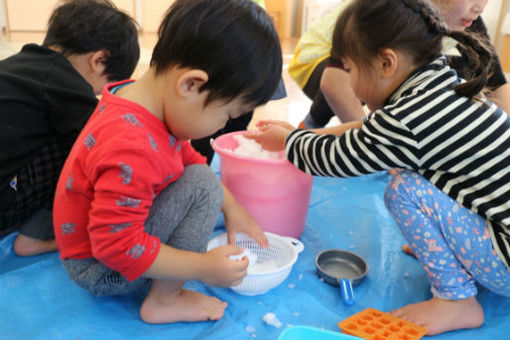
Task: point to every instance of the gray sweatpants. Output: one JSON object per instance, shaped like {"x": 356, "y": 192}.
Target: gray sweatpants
{"x": 183, "y": 216}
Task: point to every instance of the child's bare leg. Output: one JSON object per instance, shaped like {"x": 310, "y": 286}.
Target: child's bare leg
{"x": 439, "y": 316}
{"x": 28, "y": 246}
{"x": 168, "y": 302}
{"x": 455, "y": 249}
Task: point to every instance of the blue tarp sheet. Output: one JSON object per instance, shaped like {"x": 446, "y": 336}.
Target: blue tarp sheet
{"x": 38, "y": 300}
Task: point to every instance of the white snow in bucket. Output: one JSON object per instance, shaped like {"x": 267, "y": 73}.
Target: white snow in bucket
{"x": 250, "y": 148}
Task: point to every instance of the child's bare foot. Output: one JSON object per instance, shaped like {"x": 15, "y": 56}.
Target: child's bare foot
{"x": 407, "y": 249}
{"x": 438, "y": 315}
{"x": 28, "y": 246}
{"x": 184, "y": 305}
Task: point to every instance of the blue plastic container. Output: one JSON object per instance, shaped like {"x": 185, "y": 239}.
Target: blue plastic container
{"x": 311, "y": 333}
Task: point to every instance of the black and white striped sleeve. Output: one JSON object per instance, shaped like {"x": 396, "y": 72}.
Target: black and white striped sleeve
{"x": 382, "y": 143}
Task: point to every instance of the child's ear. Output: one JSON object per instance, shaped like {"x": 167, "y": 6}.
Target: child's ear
{"x": 97, "y": 61}
{"x": 387, "y": 61}
{"x": 190, "y": 81}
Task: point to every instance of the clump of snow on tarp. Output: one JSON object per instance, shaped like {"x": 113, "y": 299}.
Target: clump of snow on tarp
{"x": 272, "y": 320}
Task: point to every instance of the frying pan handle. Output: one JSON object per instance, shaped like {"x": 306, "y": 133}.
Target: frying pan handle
{"x": 346, "y": 292}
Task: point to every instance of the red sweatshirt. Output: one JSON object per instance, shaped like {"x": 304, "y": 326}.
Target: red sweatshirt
{"x": 121, "y": 161}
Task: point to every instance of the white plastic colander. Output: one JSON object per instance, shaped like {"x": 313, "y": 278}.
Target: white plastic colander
{"x": 269, "y": 266}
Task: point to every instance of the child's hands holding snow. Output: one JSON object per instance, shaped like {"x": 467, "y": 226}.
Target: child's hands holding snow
{"x": 220, "y": 270}
{"x": 271, "y": 134}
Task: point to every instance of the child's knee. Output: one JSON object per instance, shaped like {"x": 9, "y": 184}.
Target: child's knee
{"x": 206, "y": 179}
{"x": 397, "y": 189}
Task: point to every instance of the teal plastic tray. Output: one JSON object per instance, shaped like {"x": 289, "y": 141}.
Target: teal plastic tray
{"x": 310, "y": 333}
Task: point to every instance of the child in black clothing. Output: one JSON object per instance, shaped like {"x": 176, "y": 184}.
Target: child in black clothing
{"x": 47, "y": 93}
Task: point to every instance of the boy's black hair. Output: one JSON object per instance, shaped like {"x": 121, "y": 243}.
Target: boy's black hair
{"x": 412, "y": 26}
{"x": 82, "y": 26}
{"x": 233, "y": 41}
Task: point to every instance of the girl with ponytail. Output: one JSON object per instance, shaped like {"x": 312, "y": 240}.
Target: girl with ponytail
{"x": 452, "y": 199}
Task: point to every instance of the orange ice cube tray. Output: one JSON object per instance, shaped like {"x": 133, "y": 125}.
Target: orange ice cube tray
{"x": 372, "y": 324}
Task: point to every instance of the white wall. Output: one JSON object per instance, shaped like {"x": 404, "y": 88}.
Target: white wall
{"x": 2, "y": 16}
{"x": 148, "y": 13}
{"x": 491, "y": 17}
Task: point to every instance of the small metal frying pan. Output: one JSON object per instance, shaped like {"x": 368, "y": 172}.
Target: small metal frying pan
{"x": 341, "y": 268}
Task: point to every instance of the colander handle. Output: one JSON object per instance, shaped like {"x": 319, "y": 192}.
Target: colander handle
{"x": 297, "y": 244}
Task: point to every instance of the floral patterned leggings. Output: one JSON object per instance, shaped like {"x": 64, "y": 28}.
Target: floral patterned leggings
{"x": 451, "y": 242}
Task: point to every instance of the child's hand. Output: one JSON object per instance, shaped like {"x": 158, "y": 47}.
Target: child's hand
{"x": 271, "y": 134}
{"x": 238, "y": 220}
{"x": 220, "y": 270}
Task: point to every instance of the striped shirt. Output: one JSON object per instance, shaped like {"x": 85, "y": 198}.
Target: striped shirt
{"x": 461, "y": 145}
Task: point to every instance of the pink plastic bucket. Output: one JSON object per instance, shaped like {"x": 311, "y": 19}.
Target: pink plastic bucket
{"x": 274, "y": 191}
